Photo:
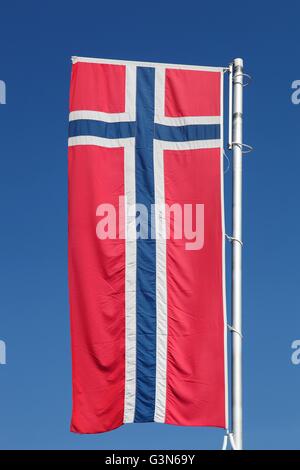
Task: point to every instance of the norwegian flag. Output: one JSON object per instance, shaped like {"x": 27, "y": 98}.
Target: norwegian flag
{"x": 148, "y": 316}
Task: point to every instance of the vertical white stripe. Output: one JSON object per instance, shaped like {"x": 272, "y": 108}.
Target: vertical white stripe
{"x": 130, "y": 96}
{"x": 130, "y": 283}
{"x": 130, "y": 253}
{"x": 161, "y": 286}
{"x": 159, "y": 110}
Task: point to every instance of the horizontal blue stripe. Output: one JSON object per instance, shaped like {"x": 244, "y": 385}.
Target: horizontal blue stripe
{"x": 189, "y": 132}
{"x": 119, "y": 130}
{"x": 108, "y": 130}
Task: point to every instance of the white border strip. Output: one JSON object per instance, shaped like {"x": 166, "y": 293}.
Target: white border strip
{"x": 223, "y": 255}
{"x": 130, "y": 286}
{"x": 130, "y": 253}
{"x": 146, "y": 64}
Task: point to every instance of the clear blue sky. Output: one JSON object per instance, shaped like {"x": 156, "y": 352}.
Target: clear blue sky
{"x": 36, "y": 42}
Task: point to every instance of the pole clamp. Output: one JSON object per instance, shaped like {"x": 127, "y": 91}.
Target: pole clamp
{"x": 248, "y": 77}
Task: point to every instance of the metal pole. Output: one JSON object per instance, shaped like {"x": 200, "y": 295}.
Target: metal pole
{"x": 237, "y": 140}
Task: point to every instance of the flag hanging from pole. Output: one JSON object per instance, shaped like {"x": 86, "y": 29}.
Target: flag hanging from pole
{"x": 146, "y": 245}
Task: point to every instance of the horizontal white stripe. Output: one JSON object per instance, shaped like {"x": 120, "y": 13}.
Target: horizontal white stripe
{"x": 146, "y": 64}
{"x": 185, "y": 121}
{"x": 125, "y": 117}
{"x": 98, "y": 116}
{"x": 191, "y": 144}
{"x": 165, "y": 145}
{"x": 100, "y": 141}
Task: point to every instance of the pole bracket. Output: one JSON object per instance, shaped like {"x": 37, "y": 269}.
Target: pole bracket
{"x": 234, "y": 239}
{"x": 228, "y": 437}
{"x": 245, "y": 148}
{"x": 234, "y": 330}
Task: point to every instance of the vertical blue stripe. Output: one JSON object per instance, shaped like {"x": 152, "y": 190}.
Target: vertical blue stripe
{"x": 146, "y": 250}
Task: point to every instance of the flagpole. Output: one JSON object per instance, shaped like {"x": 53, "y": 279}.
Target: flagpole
{"x": 237, "y": 147}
